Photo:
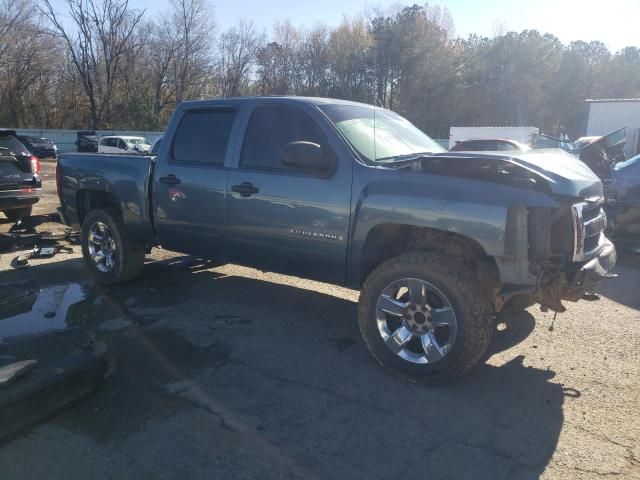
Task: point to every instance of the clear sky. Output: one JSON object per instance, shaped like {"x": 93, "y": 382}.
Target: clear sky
{"x": 615, "y": 22}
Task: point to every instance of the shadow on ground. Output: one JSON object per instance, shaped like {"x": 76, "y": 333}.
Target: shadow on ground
{"x": 624, "y": 288}
{"x": 249, "y": 377}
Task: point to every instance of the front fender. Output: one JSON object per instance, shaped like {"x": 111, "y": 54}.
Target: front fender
{"x": 474, "y": 209}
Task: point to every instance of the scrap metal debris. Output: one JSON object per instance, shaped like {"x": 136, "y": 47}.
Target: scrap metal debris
{"x": 41, "y": 234}
{"x": 22, "y": 260}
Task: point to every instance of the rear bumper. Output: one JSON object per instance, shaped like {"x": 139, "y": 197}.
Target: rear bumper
{"x": 10, "y": 199}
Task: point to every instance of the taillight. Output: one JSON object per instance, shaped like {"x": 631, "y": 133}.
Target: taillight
{"x": 35, "y": 165}
{"x": 59, "y": 181}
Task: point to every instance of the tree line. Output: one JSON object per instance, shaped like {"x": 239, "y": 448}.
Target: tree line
{"x": 103, "y": 64}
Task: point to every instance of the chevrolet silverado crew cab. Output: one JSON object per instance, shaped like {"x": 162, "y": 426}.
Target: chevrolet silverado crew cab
{"x": 346, "y": 193}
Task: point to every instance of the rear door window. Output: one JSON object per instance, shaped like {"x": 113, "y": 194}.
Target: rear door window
{"x": 203, "y": 136}
{"x": 270, "y": 129}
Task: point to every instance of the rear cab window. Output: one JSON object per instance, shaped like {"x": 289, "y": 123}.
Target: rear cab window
{"x": 202, "y": 136}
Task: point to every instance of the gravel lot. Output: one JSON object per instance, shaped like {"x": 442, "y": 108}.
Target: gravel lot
{"x": 227, "y": 372}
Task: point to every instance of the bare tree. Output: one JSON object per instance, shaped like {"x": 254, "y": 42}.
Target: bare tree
{"x": 162, "y": 50}
{"x": 102, "y": 33}
{"x": 193, "y": 26}
{"x": 238, "y": 51}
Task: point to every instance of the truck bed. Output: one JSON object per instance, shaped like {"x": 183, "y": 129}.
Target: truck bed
{"x": 87, "y": 178}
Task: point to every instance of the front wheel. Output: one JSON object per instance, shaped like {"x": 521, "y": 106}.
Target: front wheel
{"x": 108, "y": 252}
{"x": 423, "y": 317}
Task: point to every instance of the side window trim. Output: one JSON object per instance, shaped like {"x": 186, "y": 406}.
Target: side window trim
{"x": 171, "y": 159}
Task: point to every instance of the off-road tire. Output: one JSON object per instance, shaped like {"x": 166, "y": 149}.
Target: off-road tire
{"x": 129, "y": 259}
{"x": 475, "y": 321}
{"x": 16, "y": 214}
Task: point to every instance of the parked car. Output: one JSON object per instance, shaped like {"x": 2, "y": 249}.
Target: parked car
{"x": 123, "y": 144}
{"x": 20, "y": 183}
{"x": 40, "y": 147}
{"x": 612, "y": 144}
{"x": 354, "y": 195}
{"x": 544, "y": 141}
{"x": 87, "y": 141}
{"x": 156, "y": 146}
{"x": 490, "y": 145}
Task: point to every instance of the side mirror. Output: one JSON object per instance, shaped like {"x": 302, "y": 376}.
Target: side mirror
{"x": 306, "y": 155}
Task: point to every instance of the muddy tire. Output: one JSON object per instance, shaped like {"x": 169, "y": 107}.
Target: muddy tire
{"x": 423, "y": 317}
{"x": 109, "y": 253}
{"x": 16, "y": 214}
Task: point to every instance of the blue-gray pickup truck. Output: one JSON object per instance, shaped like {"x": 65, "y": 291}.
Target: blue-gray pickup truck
{"x": 437, "y": 242}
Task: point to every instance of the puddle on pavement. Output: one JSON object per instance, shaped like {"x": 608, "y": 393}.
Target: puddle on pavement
{"x": 25, "y": 311}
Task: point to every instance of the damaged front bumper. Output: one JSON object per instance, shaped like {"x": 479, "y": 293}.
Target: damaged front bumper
{"x": 573, "y": 284}
{"x": 590, "y": 273}
{"x": 597, "y": 268}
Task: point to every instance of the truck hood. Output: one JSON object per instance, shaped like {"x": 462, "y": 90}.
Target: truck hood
{"x": 563, "y": 173}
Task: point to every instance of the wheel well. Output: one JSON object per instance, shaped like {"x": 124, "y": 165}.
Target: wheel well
{"x": 88, "y": 200}
{"x": 389, "y": 240}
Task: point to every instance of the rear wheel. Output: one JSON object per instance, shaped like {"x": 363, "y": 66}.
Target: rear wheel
{"x": 423, "y": 317}
{"x": 16, "y": 214}
{"x": 108, "y": 252}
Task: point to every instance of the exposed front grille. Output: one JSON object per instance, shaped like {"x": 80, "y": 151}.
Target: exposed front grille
{"x": 589, "y": 222}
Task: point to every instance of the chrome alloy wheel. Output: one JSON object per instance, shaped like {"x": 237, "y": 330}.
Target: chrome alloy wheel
{"x": 102, "y": 247}
{"x": 416, "y": 321}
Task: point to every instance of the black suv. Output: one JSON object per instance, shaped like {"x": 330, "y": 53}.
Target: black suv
{"x": 40, "y": 147}
{"x": 19, "y": 180}
{"x": 87, "y": 141}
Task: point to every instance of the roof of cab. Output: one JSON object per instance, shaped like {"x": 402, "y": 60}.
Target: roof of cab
{"x": 271, "y": 99}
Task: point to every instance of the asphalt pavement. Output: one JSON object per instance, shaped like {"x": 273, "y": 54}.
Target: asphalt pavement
{"x": 228, "y": 372}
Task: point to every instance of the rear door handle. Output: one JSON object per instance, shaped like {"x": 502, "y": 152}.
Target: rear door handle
{"x": 169, "y": 180}
{"x": 245, "y": 189}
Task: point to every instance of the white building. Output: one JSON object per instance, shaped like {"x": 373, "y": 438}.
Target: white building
{"x": 606, "y": 115}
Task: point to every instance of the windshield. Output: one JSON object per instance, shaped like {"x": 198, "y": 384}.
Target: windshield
{"x": 379, "y": 135}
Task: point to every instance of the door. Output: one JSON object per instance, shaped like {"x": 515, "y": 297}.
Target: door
{"x": 190, "y": 182}
{"x": 282, "y": 218}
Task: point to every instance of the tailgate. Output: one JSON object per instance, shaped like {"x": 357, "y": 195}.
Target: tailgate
{"x": 13, "y": 174}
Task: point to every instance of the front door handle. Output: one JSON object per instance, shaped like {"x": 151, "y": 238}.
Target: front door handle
{"x": 245, "y": 189}
{"x": 169, "y": 180}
